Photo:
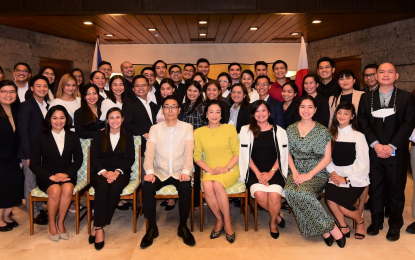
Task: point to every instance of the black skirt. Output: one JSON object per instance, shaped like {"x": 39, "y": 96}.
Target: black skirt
{"x": 44, "y": 186}
{"x": 343, "y": 196}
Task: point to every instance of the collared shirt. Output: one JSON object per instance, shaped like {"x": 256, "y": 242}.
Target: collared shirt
{"x": 266, "y": 99}
{"x": 148, "y": 108}
{"x": 233, "y": 118}
{"x": 43, "y": 108}
{"x": 226, "y": 93}
{"x": 60, "y": 140}
{"x": 151, "y": 97}
{"x": 22, "y": 91}
{"x": 103, "y": 94}
{"x": 107, "y": 87}
{"x": 106, "y": 105}
{"x": 114, "y": 138}
{"x": 169, "y": 151}
{"x": 385, "y": 98}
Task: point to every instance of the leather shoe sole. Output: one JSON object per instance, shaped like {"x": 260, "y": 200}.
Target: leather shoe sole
{"x": 148, "y": 238}
{"x": 188, "y": 238}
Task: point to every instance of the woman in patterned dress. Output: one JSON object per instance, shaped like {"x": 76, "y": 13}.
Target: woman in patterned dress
{"x": 309, "y": 154}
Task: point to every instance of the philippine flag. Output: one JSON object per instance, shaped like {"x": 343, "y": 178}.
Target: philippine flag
{"x": 97, "y": 57}
{"x": 302, "y": 70}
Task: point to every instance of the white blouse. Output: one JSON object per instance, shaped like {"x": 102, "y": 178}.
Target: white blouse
{"x": 253, "y": 96}
{"x": 60, "y": 140}
{"x": 358, "y": 172}
{"x": 114, "y": 138}
{"x": 106, "y": 105}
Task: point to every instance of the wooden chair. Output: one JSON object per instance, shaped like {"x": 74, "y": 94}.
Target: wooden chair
{"x": 82, "y": 185}
{"x": 170, "y": 192}
{"x": 237, "y": 190}
{"x": 130, "y": 191}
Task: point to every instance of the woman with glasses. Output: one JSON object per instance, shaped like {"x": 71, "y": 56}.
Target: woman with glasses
{"x": 240, "y": 111}
{"x": 225, "y": 82}
{"x": 79, "y": 75}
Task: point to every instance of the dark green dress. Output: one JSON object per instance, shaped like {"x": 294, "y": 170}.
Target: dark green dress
{"x": 307, "y": 152}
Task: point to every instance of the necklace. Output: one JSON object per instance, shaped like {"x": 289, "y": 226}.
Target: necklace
{"x": 266, "y": 128}
{"x": 213, "y": 132}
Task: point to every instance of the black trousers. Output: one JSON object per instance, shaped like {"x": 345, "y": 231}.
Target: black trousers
{"x": 392, "y": 173}
{"x": 149, "y": 202}
{"x": 196, "y": 186}
{"x": 107, "y": 196}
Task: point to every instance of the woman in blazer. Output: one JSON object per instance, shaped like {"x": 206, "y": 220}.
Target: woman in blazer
{"x": 263, "y": 162}
{"x": 112, "y": 155}
{"x": 55, "y": 159}
{"x": 289, "y": 94}
{"x": 310, "y": 86}
{"x": 213, "y": 92}
{"x": 240, "y": 111}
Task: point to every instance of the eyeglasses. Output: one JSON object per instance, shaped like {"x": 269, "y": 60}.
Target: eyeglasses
{"x": 174, "y": 72}
{"x": 371, "y": 75}
{"x": 173, "y": 108}
{"x": 22, "y": 71}
{"x": 49, "y": 74}
{"x": 105, "y": 69}
{"x": 263, "y": 84}
{"x": 140, "y": 85}
{"x": 223, "y": 81}
{"x": 5, "y": 92}
{"x": 237, "y": 92}
{"x": 191, "y": 71}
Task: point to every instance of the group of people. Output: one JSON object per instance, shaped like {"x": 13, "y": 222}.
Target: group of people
{"x": 280, "y": 139}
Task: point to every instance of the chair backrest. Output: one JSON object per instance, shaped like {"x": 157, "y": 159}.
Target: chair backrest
{"x": 136, "y": 168}
{"x": 83, "y": 171}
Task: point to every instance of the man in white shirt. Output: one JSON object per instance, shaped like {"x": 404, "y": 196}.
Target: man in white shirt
{"x": 21, "y": 74}
{"x": 168, "y": 161}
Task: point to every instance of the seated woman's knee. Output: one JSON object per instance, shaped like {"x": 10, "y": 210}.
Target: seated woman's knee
{"x": 67, "y": 189}
{"x": 54, "y": 191}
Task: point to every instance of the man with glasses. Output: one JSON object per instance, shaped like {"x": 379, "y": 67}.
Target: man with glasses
{"x": 154, "y": 93}
{"x": 21, "y": 74}
{"x": 175, "y": 73}
{"x": 168, "y": 161}
{"x": 188, "y": 71}
{"x": 369, "y": 78}
{"x": 277, "y": 112}
{"x": 106, "y": 68}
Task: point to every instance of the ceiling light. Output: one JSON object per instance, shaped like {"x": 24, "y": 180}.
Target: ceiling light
{"x": 294, "y": 33}
{"x": 151, "y": 29}
{"x": 253, "y": 28}
{"x": 156, "y": 34}
{"x": 109, "y": 35}
{"x": 87, "y": 23}
{"x": 316, "y": 21}
{"x": 202, "y": 22}
{"x": 202, "y": 34}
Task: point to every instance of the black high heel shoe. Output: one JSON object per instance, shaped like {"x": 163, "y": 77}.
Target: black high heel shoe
{"x": 215, "y": 234}
{"x": 91, "y": 238}
{"x": 230, "y": 238}
{"x": 282, "y": 223}
{"x": 100, "y": 245}
{"x": 345, "y": 234}
{"x": 329, "y": 241}
{"x": 342, "y": 241}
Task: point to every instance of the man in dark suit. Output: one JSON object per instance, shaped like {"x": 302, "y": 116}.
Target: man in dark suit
{"x": 31, "y": 116}
{"x": 150, "y": 74}
{"x": 387, "y": 119}
{"x": 175, "y": 73}
{"x": 139, "y": 113}
{"x": 277, "y": 112}
{"x": 128, "y": 72}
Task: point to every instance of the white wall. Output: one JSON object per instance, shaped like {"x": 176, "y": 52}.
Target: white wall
{"x": 247, "y": 53}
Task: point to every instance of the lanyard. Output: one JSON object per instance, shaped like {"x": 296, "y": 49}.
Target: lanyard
{"x": 394, "y": 99}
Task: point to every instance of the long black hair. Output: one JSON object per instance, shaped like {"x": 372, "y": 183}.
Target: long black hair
{"x": 47, "y": 126}
{"x": 89, "y": 116}
{"x": 111, "y": 94}
{"x": 106, "y": 144}
{"x": 335, "y": 123}
{"x": 54, "y": 85}
{"x": 245, "y": 100}
{"x": 253, "y": 124}
{"x": 199, "y": 99}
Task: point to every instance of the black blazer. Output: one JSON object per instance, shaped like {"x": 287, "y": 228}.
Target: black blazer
{"x": 322, "y": 114}
{"x": 9, "y": 140}
{"x": 291, "y": 114}
{"x": 136, "y": 119}
{"x": 83, "y": 130}
{"x": 277, "y": 111}
{"x": 244, "y": 115}
{"x": 30, "y": 120}
{"x": 112, "y": 159}
{"x": 45, "y": 159}
{"x": 180, "y": 92}
{"x": 226, "y": 112}
{"x": 157, "y": 93}
{"x": 101, "y": 98}
{"x": 396, "y": 129}
{"x": 128, "y": 89}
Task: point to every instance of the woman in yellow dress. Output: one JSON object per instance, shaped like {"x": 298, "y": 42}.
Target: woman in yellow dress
{"x": 220, "y": 146}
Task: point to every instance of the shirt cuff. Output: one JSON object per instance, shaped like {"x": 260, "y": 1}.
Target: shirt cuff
{"x": 101, "y": 171}
{"x": 393, "y": 147}
{"x": 149, "y": 171}
{"x": 121, "y": 172}
{"x": 187, "y": 172}
{"x": 374, "y": 143}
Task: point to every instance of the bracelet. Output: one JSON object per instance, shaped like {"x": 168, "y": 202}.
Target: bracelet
{"x": 229, "y": 169}
{"x": 272, "y": 169}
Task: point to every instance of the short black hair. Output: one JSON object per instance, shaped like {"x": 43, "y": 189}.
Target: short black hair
{"x": 24, "y": 64}
{"x": 249, "y": 72}
{"x": 263, "y": 77}
{"x": 371, "y": 66}
{"x": 189, "y": 65}
{"x": 234, "y": 64}
{"x": 210, "y": 103}
{"x": 147, "y": 68}
{"x": 171, "y": 97}
{"x": 201, "y": 60}
{"x": 292, "y": 84}
{"x": 47, "y": 126}
{"x": 279, "y": 61}
{"x": 93, "y": 74}
{"x": 261, "y": 62}
{"x": 140, "y": 77}
{"x": 158, "y": 61}
{"x": 104, "y": 63}
{"x": 329, "y": 60}
{"x": 37, "y": 77}
{"x": 174, "y": 66}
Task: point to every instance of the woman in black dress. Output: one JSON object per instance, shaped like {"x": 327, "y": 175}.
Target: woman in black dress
{"x": 263, "y": 162}
{"x": 11, "y": 184}
{"x": 87, "y": 117}
{"x": 349, "y": 169}
{"x": 55, "y": 159}
{"x": 289, "y": 94}
{"x": 112, "y": 155}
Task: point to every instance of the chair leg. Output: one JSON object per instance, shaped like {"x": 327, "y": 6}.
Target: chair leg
{"x": 192, "y": 211}
{"x": 201, "y": 211}
{"x": 77, "y": 213}
{"x": 246, "y": 210}
{"x": 241, "y": 211}
{"x": 89, "y": 211}
{"x": 135, "y": 211}
{"x": 250, "y": 205}
{"x": 256, "y": 216}
{"x": 147, "y": 225}
{"x": 31, "y": 213}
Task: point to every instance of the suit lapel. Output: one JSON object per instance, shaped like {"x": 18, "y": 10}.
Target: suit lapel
{"x": 140, "y": 104}
{"x": 54, "y": 145}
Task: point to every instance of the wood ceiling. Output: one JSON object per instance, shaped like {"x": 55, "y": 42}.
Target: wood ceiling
{"x": 221, "y": 28}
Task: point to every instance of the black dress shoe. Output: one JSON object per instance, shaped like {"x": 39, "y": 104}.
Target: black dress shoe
{"x": 163, "y": 204}
{"x": 41, "y": 219}
{"x": 329, "y": 241}
{"x": 393, "y": 234}
{"x": 187, "y": 236}
{"x": 123, "y": 207}
{"x": 373, "y": 229}
{"x": 411, "y": 228}
{"x": 169, "y": 207}
{"x": 5, "y": 228}
{"x": 148, "y": 238}
{"x": 12, "y": 224}
{"x": 274, "y": 235}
